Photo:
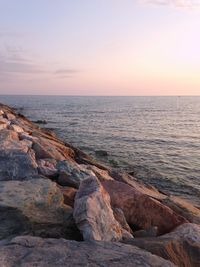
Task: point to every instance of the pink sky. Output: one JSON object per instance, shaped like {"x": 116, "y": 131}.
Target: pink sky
{"x": 98, "y": 47}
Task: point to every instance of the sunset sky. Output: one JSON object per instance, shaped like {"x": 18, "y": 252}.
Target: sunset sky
{"x": 100, "y": 47}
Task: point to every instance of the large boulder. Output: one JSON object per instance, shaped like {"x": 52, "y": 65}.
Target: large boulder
{"x": 93, "y": 214}
{"x": 17, "y": 160}
{"x": 71, "y": 173}
{"x": 34, "y": 206}
{"x": 140, "y": 210}
{"x": 24, "y": 251}
{"x": 182, "y": 246}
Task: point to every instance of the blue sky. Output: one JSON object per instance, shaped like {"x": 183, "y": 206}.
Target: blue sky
{"x": 99, "y": 47}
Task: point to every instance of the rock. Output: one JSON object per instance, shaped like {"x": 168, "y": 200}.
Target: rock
{"x": 40, "y": 121}
{"x": 136, "y": 184}
{"x": 10, "y": 116}
{"x": 4, "y": 120}
{"x": 3, "y": 125}
{"x": 101, "y": 153}
{"x": 71, "y": 173}
{"x": 151, "y": 232}
{"x": 1, "y": 112}
{"x": 43, "y": 149}
{"x": 182, "y": 246}
{"x": 47, "y": 167}
{"x": 26, "y": 136}
{"x": 69, "y": 194}
{"x": 17, "y": 160}
{"x": 16, "y": 128}
{"x": 36, "y": 207}
{"x": 119, "y": 216}
{"x": 140, "y": 210}
{"x": 183, "y": 208}
{"x": 30, "y": 251}
{"x": 93, "y": 214}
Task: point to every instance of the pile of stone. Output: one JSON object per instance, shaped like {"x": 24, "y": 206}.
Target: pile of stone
{"x": 59, "y": 207}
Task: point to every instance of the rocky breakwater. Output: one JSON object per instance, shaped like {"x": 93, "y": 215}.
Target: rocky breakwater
{"x": 59, "y": 207}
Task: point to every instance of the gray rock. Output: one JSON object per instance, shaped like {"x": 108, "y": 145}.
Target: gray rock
{"x": 36, "y": 207}
{"x": 93, "y": 214}
{"x": 17, "y": 160}
{"x": 47, "y": 167}
{"x": 71, "y": 173}
{"x": 27, "y": 251}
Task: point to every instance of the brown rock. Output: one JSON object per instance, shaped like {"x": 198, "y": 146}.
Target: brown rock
{"x": 140, "y": 210}
{"x": 27, "y": 251}
{"x": 93, "y": 214}
{"x": 182, "y": 246}
{"x": 69, "y": 194}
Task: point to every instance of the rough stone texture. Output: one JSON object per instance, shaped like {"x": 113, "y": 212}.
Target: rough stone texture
{"x": 93, "y": 214}
{"x": 119, "y": 216}
{"x": 3, "y": 125}
{"x": 182, "y": 246}
{"x": 27, "y": 251}
{"x": 16, "y": 128}
{"x": 183, "y": 208}
{"x": 136, "y": 184}
{"x": 140, "y": 210}
{"x": 71, "y": 173}
{"x": 43, "y": 149}
{"x": 17, "y": 160}
{"x": 69, "y": 194}
{"x": 33, "y": 206}
{"x": 47, "y": 168}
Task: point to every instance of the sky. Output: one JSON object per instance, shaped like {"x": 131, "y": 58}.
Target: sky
{"x": 100, "y": 47}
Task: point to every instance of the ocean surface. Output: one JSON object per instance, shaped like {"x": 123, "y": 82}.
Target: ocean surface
{"x": 156, "y": 138}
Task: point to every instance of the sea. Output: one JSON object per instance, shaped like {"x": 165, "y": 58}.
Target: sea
{"x": 157, "y": 139}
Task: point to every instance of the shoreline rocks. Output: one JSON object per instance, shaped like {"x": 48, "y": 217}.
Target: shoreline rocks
{"x": 50, "y": 189}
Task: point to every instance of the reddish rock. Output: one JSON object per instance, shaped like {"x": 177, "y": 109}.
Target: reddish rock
{"x": 141, "y": 210}
{"x": 93, "y": 214}
{"x": 69, "y": 194}
{"x": 182, "y": 246}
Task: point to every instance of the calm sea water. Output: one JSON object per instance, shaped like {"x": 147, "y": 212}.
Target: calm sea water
{"x": 158, "y": 138}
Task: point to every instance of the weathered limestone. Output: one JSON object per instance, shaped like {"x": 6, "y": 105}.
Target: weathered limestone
{"x": 93, "y": 214}
{"x": 182, "y": 246}
{"x": 140, "y": 210}
{"x": 34, "y": 206}
{"x": 27, "y": 251}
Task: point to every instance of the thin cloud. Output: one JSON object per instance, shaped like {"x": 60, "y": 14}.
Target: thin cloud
{"x": 184, "y": 4}
{"x": 66, "y": 72}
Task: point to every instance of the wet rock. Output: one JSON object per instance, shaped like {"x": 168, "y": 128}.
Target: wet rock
{"x": 47, "y": 167}
{"x": 71, "y": 173}
{"x": 34, "y": 206}
{"x": 93, "y": 214}
{"x": 182, "y": 246}
{"x": 40, "y": 121}
{"x": 140, "y": 210}
{"x": 101, "y": 153}
{"x": 34, "y": 251}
